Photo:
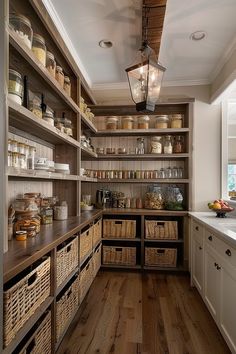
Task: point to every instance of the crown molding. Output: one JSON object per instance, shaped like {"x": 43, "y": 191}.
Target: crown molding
{"x": 193, "y": 82}
{"x": 224, "y": 91}
{"x": 58, "y": 23}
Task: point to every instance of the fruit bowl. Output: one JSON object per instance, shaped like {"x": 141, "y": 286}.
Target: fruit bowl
{"x": 221, "y": 213}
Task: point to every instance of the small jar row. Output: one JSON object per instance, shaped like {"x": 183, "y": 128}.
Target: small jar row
{"x": 86, "y": 110}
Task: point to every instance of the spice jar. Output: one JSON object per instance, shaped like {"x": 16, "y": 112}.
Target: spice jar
{"x": 68, "y": 127}
{"x": 9, "y": 159}
{"x": 46, "y": 214}
{"x": 127, "y": 123}
{"x": 21, "y": 148}
{"x": 15, "y": 159}
{"x": 14, "y": 144}
{"x": 112, "y": 123}
{"x": 143, "y": 122}
{"x": 51, "y": 63}
{"x": 61, "y": 211}
{"x": 140, "y": 149}
{"x": 35, "y": 107}
{"x": 139, "y": 203}
{"x": 156, "y": 145}
{"x": 30, "y": 230}
{"x": 178, "y": 145}
{"x": 22, "y": 161}
{"x": 48, "y": 116}
{"x": 59, "y": 124}
{"x": 39, "y": 48}
{"x": 161, "y": 122}
{"x": 67, "y": 85}
{"x": 21, "y": 235}
{"x": 168, "y": 146}
{"x": 59, "y": 75}
{"x": 176, "y": 121}
{"x": 31, "y": 157}
{"x": 121, "y": 151}
{"x": 22, "y": 26}
{"x": 15, "y": 86}
{"x": 121, "y": 202}
{"x": 133, "y": 203}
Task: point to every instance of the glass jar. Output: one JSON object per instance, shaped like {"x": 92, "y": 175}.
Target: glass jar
{"x": 14, "y": 144}
{"x": 48, "y": 116}
{"x": 168, "y": 172}
{"x": 15, "y": 159}
{"x": 67, "y": 85}
{"x": 161, "y": 122}
{"x": 26, "y": 152}
{"x": 22, "y": 161}
{"x": 140, "y": 149}
{"x": 156, "y": 145}
{"x": 112, "y": 123}
{"x": 59, "y": 76}
{"x": 127, "y": 123}
{"x": 174, "y": 198}
{"x": 35, "y": 107}
{"x": 9, "y": 159}
{"x": 9, "y": 145}
{"x": 178, "y": 146}
{"x": 21, "y": 148}
{"x": 51, "y": 63}
{"x": 143, "y": 122}
{"x": 133, "y": 203}
{"x": 139, "y": 203}
{"x": 59, "y": 124}
{"x": 175, "y": 173}
{"x": 154, "y": 198}
{"x": 180, "y": 172}
{"x": 81, "y": 104}
{"x": 68, "y": 127}
{"x": 15, "y": 86}
{"x": 176, "y": 121}
{"x": 31, "y": 157}
{"x": 22, "y": 26}
{"x": 168, "y": 146}
{"x": 121, "y": 202}
{"x": 39, "y": 48}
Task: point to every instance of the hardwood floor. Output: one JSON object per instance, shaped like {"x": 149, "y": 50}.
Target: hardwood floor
{"x": 131, "y": 313}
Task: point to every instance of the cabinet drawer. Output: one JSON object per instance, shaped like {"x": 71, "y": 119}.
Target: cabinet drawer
{"x": 197, "y": 228}
{"x": 226, "y": 251}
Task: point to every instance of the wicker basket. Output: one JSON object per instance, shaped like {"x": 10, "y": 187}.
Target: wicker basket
{"x": 116, "y": 228}
{"x": 97, "y": 232}
{"x": 97, "y": 260}
{"x": 86, "y": 243}
{"x": 119, "y": 255}
{"x": 66, "y": 307}
{"x": 86, "y": 279}
{"x": 67, "y": 260}
{"x": 161, "y": 229}
{"x": 41, "y": 342}
{"x": 161, "y": 257}
{"x": 22, "y": 299}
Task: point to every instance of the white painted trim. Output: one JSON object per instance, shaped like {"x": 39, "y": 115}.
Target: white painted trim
{"x": 111, "y": 86}
{"x": 224, "y": 148}
{"x": 225, "y": 89}
{"x": 60, "y": 27}
{"x": 186, "y": 82}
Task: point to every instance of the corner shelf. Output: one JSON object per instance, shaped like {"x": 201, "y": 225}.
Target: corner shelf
{"x": 87, "y": 123}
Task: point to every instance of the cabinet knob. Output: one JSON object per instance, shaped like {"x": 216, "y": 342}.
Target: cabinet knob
{"x": 210, "y": 238}
{"x": 218, "y": 267}
{"x": 215, "y": 264}
{"x": 196, "y": 228}
{"x": 228, "y": 252}
{"x": 200, "y": 247}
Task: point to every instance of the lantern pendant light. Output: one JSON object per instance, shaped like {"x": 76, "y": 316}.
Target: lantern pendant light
{"x": 145, "y": 77}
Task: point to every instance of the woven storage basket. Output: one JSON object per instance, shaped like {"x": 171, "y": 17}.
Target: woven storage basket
{"x": 21, "y": 300}
{"x": 97, "y": 232}
{"x": 66, "y": 307}
{"x": 97, "y": 260}
{"x": 115, "y": 228}
{"x": 119, "y": 255}
{"x": 86, "y": 243}
{"x": 161, "y": 257}
{"x": 67, "y": 260}
{"x": 161, "y": 229}
{"x": 86, "y": 279}
{"x": 41, "y": 343}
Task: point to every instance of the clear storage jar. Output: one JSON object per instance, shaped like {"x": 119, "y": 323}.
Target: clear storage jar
{"x": 35, "y": 107}
{"x": 48, "y": 116}
{"x": 156, "y": 145}
{"x": 154, "y": 198}
{"x": 22, "y": 26}
{"x": 39, "y": 48}
{"x": 31, "y": 157}
{"x": 176, "y": 121}
{"x": 59, "y": 124}
{"x": 68, "y": 127}
{"x": 15, "y": 86}
{"x": 67, "y": 85}
{"x": 60, "y": 75}
{"x": 168, "y": 145}
{"x": 161, "y": 122}
{"x": 174, "y": 198}
{"x": 143, "y": 122}
{"x": 178, "y": 146}
{"x": 51, "y": 63}
{"x": 127, "y": 123}
{"x": 112, "y": 123}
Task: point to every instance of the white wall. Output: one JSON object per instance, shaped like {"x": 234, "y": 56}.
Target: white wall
{"x": 206, "y": 138}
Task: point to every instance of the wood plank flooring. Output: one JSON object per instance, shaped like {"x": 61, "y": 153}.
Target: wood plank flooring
{"x": 133, "y": 313}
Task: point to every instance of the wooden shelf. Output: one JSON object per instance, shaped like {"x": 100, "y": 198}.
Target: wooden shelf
{"x": 164, "y": 241}
{"x": 27, "y": 326}
{"x": 116, "y": 266}
{"x": 40, "y": 174}
{"x": 87, "y": 123}
{"x": 141, "y": 132}
{"x": 148, "y": 181}
{"x": 87, "y": 179}
{"x": 122, "y": 239}
{"x": 23, "y": 119}
{"x": 29, "y": 56}
{"x": 87, "y": 153}
{"x": 145, "y": 157}
{"x": 150, "y": 212}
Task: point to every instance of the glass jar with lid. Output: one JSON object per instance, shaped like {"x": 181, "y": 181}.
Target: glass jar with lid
{"x": 156, "y": 145}
{"x": 176, "y": 121}
{"x": 174, "y": 198}
{"x": 154, "y": 198}
{"x": 178, "y": 146}
{"x": 22, "y": 26}
{"x": 21, "y": 148}
{"x": 168, "y": 145}
{"x": 67, "y": 85}
{"x": 15, "y": 86}
{"x": 14, "y": 144}
{"x": 112, "y": 123}
{"x": 59, "y": 124}
{"x": 15, "y": 159}
{"x": 68, "y": 127}
{"x": 39, "y": 48}
{"x": 22, "y": 161}
{"x": 161, "y": 122}
{"x": 143, "y": 122}
{"x": 51, "y": 63}
{"x": 31, "y": 157}
{"x": 140, "y": 149}
{"x": 35, "y": 106}
{"x": 48, "y": 116}
{"x": 59, "y": 75}
{"x": 127, "y": 123}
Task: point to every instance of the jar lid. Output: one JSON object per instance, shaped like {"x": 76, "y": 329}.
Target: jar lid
{"x": 59, "y": 68}
{"x": 144, "y": 119}
{"x": 112, "y": 119}
{"x": 48, "y": 114}
{"x": 130, "y": 119}
{"x": 156, "y": 138}
{"x": 32, "y": 147}
{"x": 39, "y": 38}
{"x": 21, "y": 232}
{"x": 14, "y": 72}
{"x": 67, "y": 79}
{"x": 176, "y": 116}
{"x": 163, "y": 118}
{"x": 15, "y": 16}
{"x": 50, "y": 55}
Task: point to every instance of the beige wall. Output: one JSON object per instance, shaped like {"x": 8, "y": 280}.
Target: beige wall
{"x": 206, "y": 139}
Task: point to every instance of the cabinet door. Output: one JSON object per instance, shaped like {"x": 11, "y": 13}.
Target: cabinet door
{"x": 197, "y": 264}
{"x": 228, "y": 306}
{"x": 211, "y": 282}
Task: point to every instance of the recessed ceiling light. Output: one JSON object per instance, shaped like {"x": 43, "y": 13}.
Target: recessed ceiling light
{"x": 105, "y": 43}
{"x": 198, "y": 35}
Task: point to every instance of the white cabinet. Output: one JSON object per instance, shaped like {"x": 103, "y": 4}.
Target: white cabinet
{"x": 197, "y": 263}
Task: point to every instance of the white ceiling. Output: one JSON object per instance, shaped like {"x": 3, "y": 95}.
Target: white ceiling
{"x": 83, "y": 23}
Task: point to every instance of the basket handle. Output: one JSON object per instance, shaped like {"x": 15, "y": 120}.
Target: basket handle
{"x": 160, "y": 251}
{"x": 32, "y": 279}
{"x": 69, "y": 293}
{"x": 30, "y": 347}
{"x": 118, "y": 222}
{"x": 160, "y": 223}
{"x": 87, "y": 266}
{"x": 87, "y": 233}
{"x": 68, "y": 249}
{"x": 118, "y": 249}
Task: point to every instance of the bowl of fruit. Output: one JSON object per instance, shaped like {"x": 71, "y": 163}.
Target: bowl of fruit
{"x": 220, "y": 207}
